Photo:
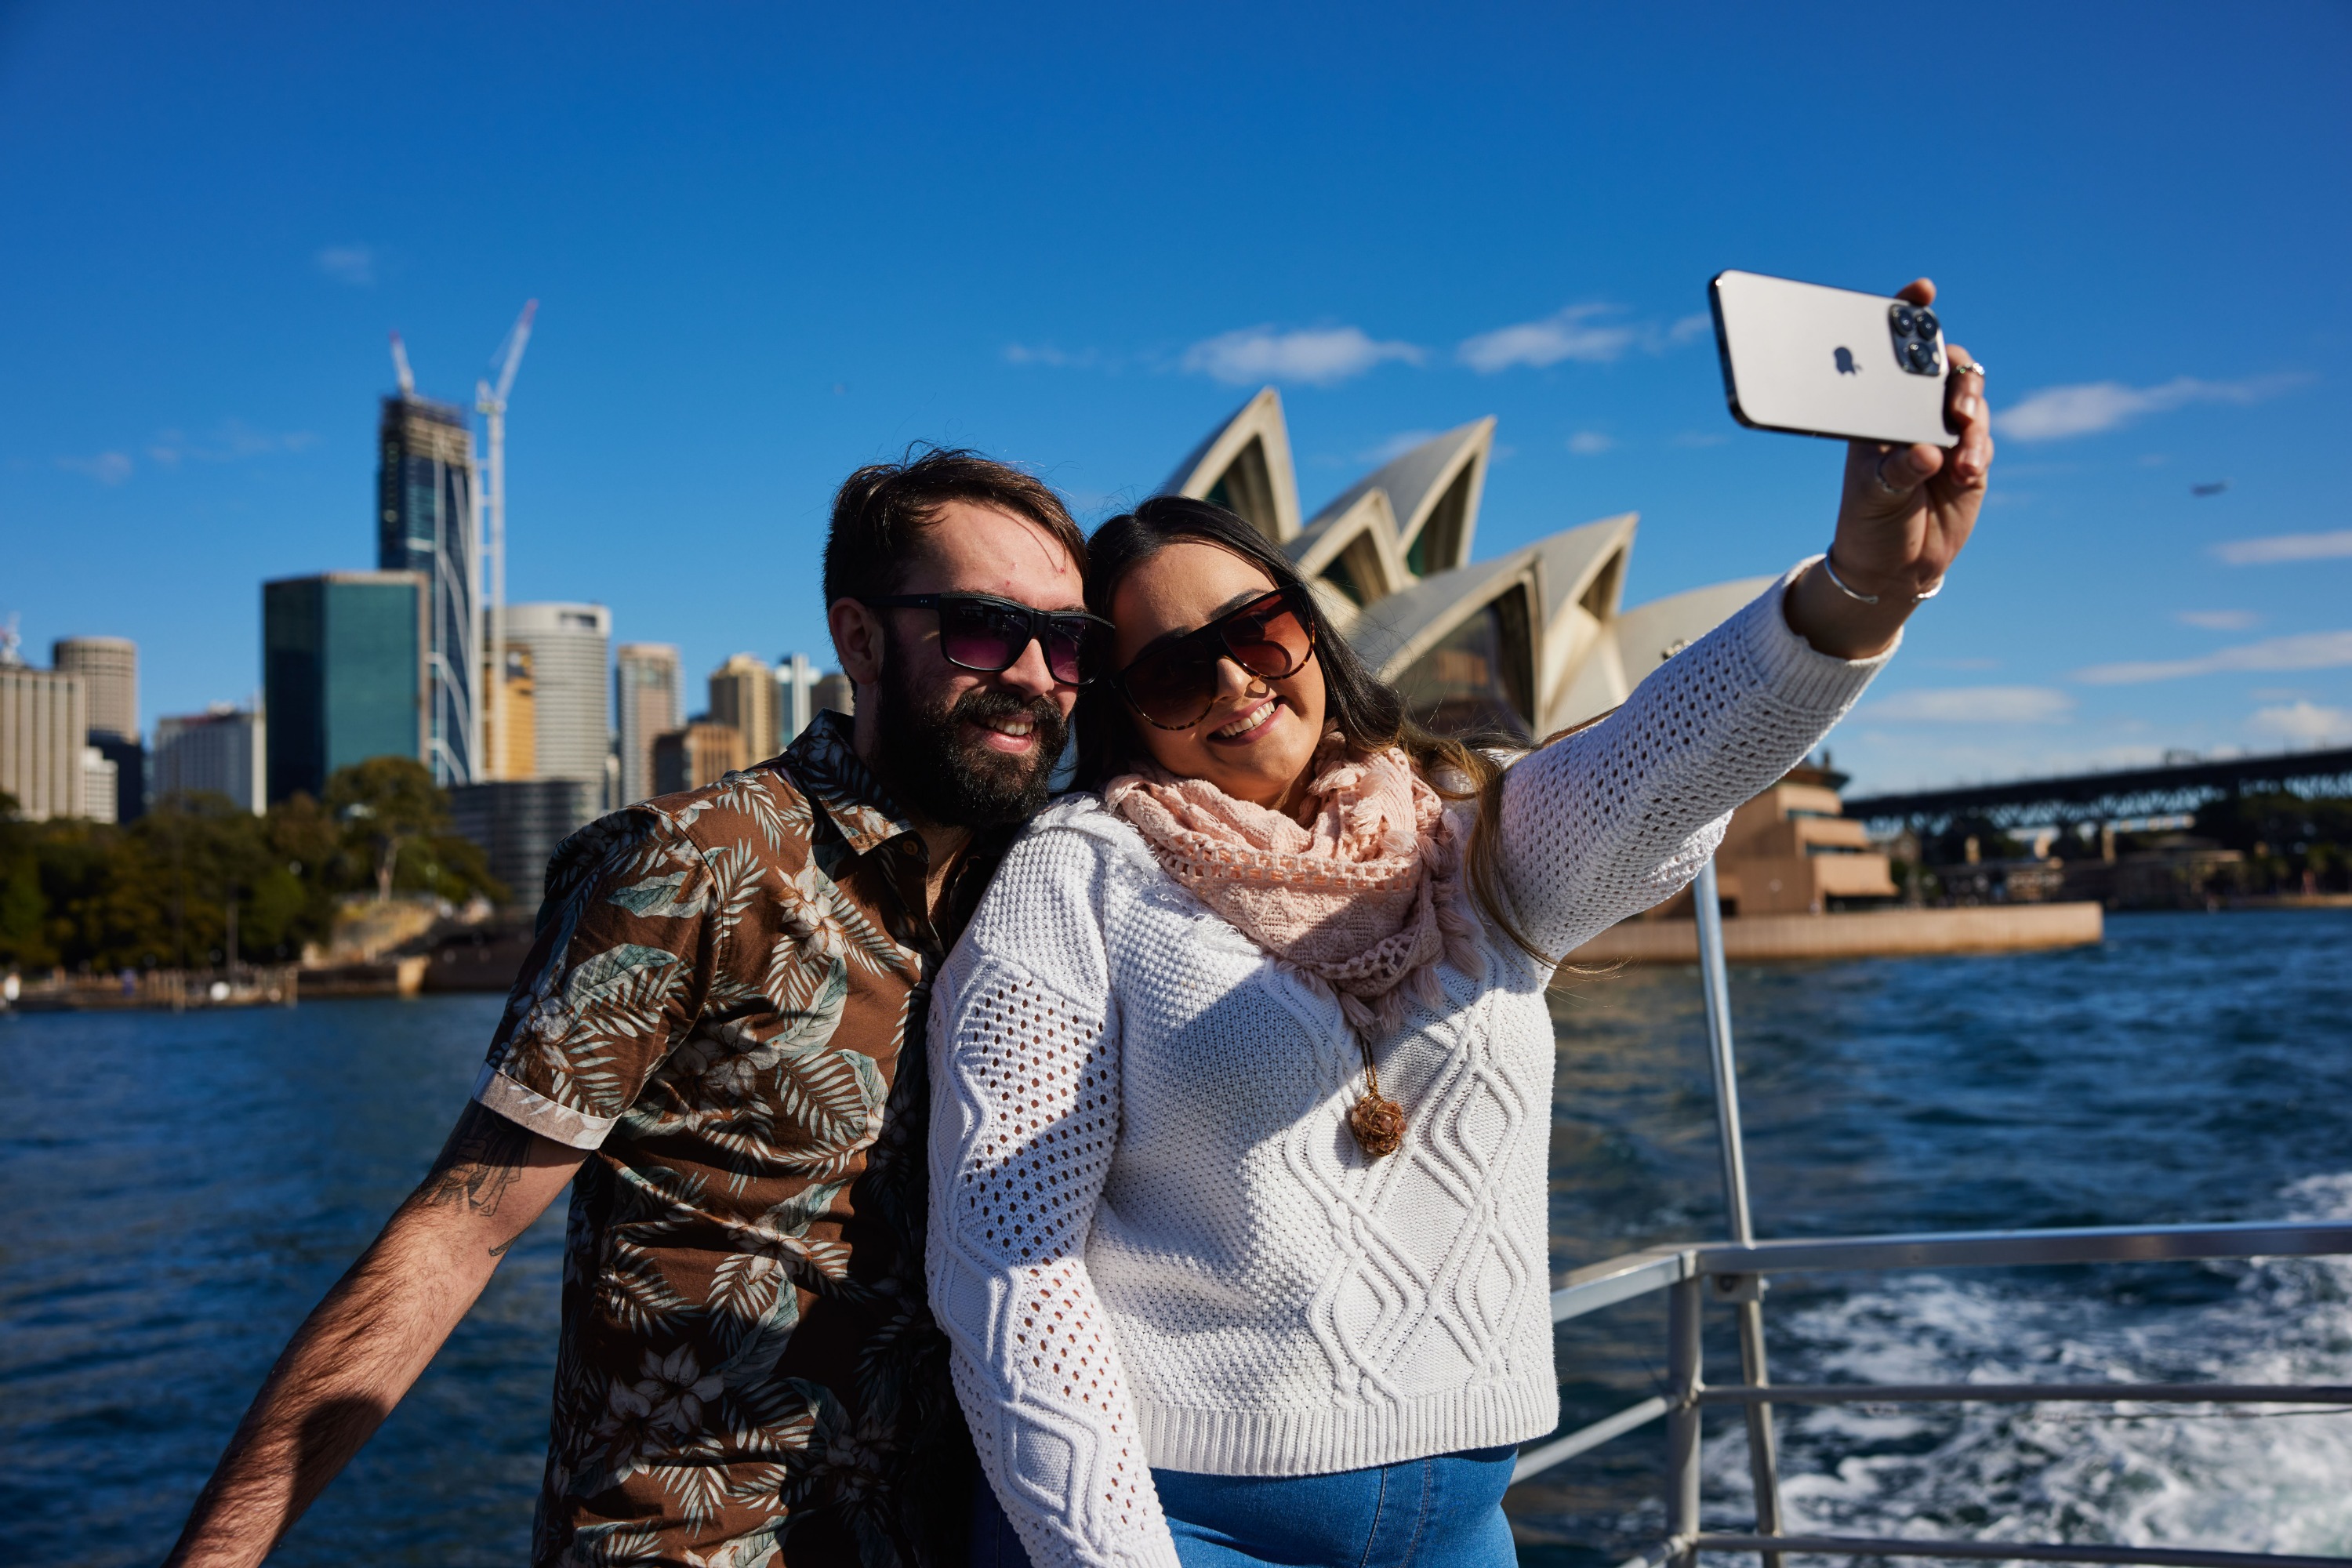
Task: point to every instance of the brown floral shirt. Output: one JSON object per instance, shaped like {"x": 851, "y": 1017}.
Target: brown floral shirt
{"x": 725, "y": 1004}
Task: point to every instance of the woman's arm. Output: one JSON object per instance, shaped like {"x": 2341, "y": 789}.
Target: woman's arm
{"x": 1619, "y": 817}
{"x": 1025, "y": 1119}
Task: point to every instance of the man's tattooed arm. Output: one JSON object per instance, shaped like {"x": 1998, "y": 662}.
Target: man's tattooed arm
{"x": 477, "y": 1165}
{"x": 362, "y": 1348}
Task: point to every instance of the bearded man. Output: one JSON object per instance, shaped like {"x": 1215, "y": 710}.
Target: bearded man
{"x": 718, "y": 1041}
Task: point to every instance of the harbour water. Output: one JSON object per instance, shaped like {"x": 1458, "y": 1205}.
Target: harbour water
{"x": 176, "y": 1190}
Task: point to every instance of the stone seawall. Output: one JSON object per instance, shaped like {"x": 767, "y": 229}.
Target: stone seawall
{"x": 1987, "y": 928}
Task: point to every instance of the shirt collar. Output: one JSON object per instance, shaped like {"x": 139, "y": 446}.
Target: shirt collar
{"x": 838, "y": 783}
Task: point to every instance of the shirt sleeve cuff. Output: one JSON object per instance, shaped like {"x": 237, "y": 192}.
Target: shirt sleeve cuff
{"x": 1795, "y": 670}
{"x": 528, "y": 1108}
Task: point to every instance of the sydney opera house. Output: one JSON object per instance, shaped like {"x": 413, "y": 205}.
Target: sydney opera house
{"x": 1533, "y": 640}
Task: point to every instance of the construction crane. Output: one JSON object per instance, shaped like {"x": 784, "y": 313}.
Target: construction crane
{"x": 400, "y": 367}
{"x": 492, "y": 404}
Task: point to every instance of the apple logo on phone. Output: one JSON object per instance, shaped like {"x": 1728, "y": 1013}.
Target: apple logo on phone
{"x": 1845, "y": 365}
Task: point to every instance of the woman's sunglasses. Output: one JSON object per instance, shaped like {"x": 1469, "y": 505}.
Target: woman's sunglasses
{"x": 1174, "y": 685}
{"x": 982, "y": 632}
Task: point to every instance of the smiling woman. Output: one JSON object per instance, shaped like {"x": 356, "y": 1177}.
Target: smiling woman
{"x": 1238, "y": 1163}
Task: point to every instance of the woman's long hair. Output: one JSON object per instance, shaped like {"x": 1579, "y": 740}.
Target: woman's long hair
{"x": 1367, "y": 712}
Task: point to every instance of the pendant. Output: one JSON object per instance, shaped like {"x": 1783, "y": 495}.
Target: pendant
{"x": 1378, "y": 1123}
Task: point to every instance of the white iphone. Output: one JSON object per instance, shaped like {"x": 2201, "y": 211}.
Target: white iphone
{"x": 1828, "y": 362}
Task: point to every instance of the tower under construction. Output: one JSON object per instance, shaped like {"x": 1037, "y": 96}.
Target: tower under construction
{"x": 425, "y": 523}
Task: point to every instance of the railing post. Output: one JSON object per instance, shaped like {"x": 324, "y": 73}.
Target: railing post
{"x": 1683, "y": 1305}
{"x": 1715, "y": 982}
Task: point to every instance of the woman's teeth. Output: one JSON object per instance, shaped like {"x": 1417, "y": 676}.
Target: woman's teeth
{"x": 1247, "y": 721}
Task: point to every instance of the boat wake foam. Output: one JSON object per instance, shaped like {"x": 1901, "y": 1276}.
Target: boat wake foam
{"x": 2231, "y": 1478}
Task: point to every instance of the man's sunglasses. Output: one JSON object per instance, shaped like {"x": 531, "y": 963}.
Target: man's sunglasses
{"x": 984, "y": 633}
{"x": 1174, "y": 685}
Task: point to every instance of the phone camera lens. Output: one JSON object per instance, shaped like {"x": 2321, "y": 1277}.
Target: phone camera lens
{"x": 1925, "y": 322}
{"x": 1921, "y": 355}
{"x": 1904, "y": 320}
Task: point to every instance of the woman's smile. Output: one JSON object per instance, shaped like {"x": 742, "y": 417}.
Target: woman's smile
{"x": 1252, "y": 725}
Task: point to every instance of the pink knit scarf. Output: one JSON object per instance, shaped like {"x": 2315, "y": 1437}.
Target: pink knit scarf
{"x": 1362, "y": 900}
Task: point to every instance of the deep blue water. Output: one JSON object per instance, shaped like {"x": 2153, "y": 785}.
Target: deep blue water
{"x": 176, "y": 1191}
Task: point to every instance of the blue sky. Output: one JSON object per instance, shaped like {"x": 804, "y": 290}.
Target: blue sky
{"x": 771, "y": 243}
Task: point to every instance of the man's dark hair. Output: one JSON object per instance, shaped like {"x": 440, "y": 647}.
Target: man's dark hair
{"x": 882, "y": 507}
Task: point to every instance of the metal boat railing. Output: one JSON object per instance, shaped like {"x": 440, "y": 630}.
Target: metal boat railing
{"x": 1732, "y": 1273}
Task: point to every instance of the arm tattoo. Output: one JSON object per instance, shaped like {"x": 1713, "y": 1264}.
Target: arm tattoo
{"x": 478, "y": 1164}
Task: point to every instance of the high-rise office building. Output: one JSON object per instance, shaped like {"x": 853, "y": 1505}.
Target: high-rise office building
{"x": 570, "y": 708}
{"x": 223, "y": 751}
{"x": 833, "y": 692}
{"x": 345, "y": 674}
{"x": 44, "y": 726}
{"x": 646, "y": 704}
{"x": 98, "y": 776}
{"x": 510, "y": 721}
{"x": 743, "y": 696}
{"x": 698, "y": 754}
{"x": 796, "y": 697}
{"x": 424, "y": 524}
{"x": 109, "y": 668}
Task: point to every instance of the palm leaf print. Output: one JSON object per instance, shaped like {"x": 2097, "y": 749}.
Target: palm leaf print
{"x": 835, "y": 1094}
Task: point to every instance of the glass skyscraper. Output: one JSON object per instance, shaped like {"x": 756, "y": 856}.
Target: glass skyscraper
{"x": 346, "y": 674}
{"x": 424, "y": 524}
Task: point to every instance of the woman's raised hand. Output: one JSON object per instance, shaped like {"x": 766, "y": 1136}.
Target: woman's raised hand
{"x": 1904, "y": 515}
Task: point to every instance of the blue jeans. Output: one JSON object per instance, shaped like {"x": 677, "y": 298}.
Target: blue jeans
{"x": 1441, "y": 1512}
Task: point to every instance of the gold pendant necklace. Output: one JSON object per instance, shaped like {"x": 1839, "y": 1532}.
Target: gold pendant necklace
{"x": 1377, "y": 1120}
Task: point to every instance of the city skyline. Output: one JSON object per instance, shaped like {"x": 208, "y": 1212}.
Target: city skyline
{"x": 734, "y": 317}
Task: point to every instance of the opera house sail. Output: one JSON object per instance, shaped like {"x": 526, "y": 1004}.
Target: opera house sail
{"x": 1530, "y": 642}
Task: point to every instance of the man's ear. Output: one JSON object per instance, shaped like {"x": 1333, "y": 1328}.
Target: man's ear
{"x": 858, "y": 636}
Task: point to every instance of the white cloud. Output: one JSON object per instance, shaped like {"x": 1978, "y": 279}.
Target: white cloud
{"x": 2307, "y": 722}
{"x": 1690, "y": 327}
{"x": 1588, "y": 443}
{"x": 352, "y": 264}
{"x": 2219, "y": 620}
{"x": 2056, "y": 413}
{"x": 2280, "y": 547}
{"x": 1320, "y": 356}
{"x": 1581, "y": 332}
{"x": 106, "y": 468}
{"x": 230, "y": 440}
{"x": 2308, "y": 650}
{"x": 1974, "y": 705}
{"x": 1047, "y": 354}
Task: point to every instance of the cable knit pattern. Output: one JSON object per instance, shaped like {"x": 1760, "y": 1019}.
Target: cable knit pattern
{"x": 1154, "y": 1240}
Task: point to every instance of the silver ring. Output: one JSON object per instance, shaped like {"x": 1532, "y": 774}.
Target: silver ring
{"x": 1974, "y": 367}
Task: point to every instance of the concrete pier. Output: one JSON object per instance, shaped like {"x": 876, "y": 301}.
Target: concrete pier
{"x": 1987, "y": 928}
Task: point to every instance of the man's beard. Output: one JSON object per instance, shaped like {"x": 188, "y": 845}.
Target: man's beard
{"x": 944, "y": 775}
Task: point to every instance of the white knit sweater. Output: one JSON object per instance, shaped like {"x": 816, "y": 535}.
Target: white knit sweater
{"x": 1153, "y": 1241}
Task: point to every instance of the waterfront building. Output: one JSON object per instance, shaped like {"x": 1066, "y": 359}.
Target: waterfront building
{"x": 131, "y": 763}
{"x": 346, "y": 674}
{"x": 570, "y": 710}
{"x": 647, "y": 703}
{"x": 44, "y": 726}
{"x": 743, "y": 695}
{"x": 222, "y": 751}
{"x": 700, "y": 753}
{"x": 97, "y": 784}
{"x": 832, "y": 693}
{"x": 1529, "y": 642}
{"x": 109, "y": 668}
{"x": 424, "y": 524}
{"x": 519, "y": 823}
{"x": 510, "y": 725}
{"x": 796, "y": 697}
